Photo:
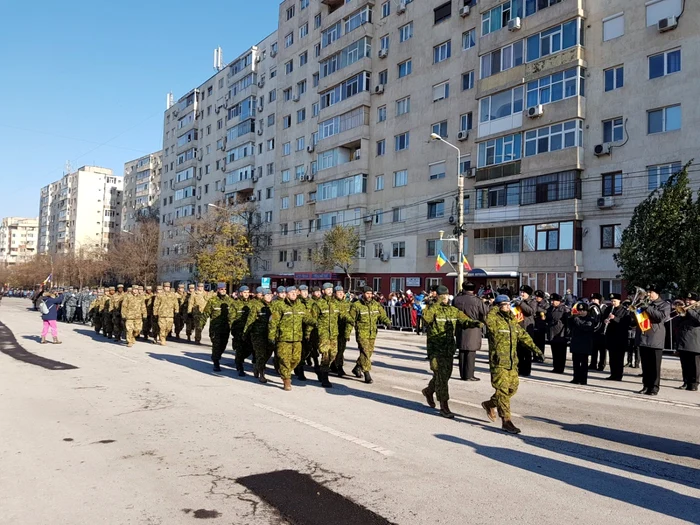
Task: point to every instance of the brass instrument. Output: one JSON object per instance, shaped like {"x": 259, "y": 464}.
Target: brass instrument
{"x": 640, "y": 299}
{"x": 681, "y": 309}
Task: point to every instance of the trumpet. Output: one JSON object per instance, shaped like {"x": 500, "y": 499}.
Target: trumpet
{"x": 640, "y": 299}
{"x": 681, "y": 309}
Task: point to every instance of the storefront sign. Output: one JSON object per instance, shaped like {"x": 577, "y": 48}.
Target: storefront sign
{"x": 412, "y": 281}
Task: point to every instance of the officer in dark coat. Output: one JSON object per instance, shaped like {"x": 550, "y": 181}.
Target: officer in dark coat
{"x": 582, "y": 326}
{"x": 528, "y": 307}
{"x": 651, "y": 343}
{"x": 689, "y": 344}
{"x": 557, "y": 321}
{"x": 541, "y": 328}
{"x": 616, "y": 329}
{"x": 595, "y": 309}
{"x": 469, "y": 339}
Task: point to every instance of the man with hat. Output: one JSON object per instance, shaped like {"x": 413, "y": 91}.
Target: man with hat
{"x": 615, "y": 332}
{"x": 179, "y": 320}
{"x": 528, "y": 307}
{"x": 219, "y": 310}
{"x": 133, "y": 311}
{"x": 148, "y": 321}
{"x": 96, "y": 310}
{"x": 442, "y": 321}
{"x": 469, "y": 339}
{"x": 599, "y": 356}
{"x": 117, "y": 321}
{"x": 327, "y": 314}
{"x": 557, "y": 321}
{"x": 505, "y": 337}
{"x": 689, "y": 343}
{"x": 364, "y": 315}
{"x": 256, "y": 329}
{"x": 651, "y": 342}
{"x": 539, "y": 335}
{"x": 582, "y": 324}
{"x": 306, "y": 343}
{"x": 195, "y": 311}
{"x": 241, "y": 344}
{"x": 165, "y": 306}
{"x": 107, "y": 323}
{"x": 70, "y": 302}
{"x": 344, "y": 330}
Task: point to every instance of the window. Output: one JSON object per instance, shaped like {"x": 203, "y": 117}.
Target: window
{"x": 353, "y": 185}
{"x": 442, "y": 52}
{"x": 272, "y": 96}
{"x": 613, "y": 27}
{"x": 611, "y": 236}
{"x": 498, "y": 196}
{"x": 317, "y": 21}
{"x": 315, "y": 109}
{"x": 270, "y": 144}
{"x": 401, "y": 141}
{"x": 290, "y": 12}
{"x": 658, "y": 9}
{"x": 384, "y": 42}
{"x": 287, "y": 94}
{"x": 498, "y": 17}
{"x": 440, "y": 128}
{"x": 553, "y": 40}
{"x": 436, "y": 209}
{"x": 303, "y": 58}
{"x": 289, "y": 40}
{"x": 378, "y": 250}
{"x": 268, "y": 193}
{"x": 285, "y": 203}
{"x": 381, "y": 114}
{"x": 283, "y": 256}
{"x": 383, "y": 77}
{"x": 501, "y": 105}
{"x": 398, "y": 249}
{"x": 664, "y": 119}
{"x": 386, "y": 9}
{"x": 500, "y": 150}
{"x": 286, "y": 121}
{"x": 441, "y": 91}
{"x": 286, "y": 148}
{"x": 559, "y": 86}
{"x": 431, "y": 247}
{"x": 552, "y": 236}
{"x": 465, "y": 122}
{"x": 301, "y": 115}
{"x": 502, "y": 59}
{"x": 469, "y": 39}
{"x": 612, "y": 130}
{"x": 491, "y": 241}
{"x": 553, "y": 138}
{"x": 400, "y": 178}
{"x": 381, "y": 147}
{"x": 403, "y": 106}
{"x": 397, "y": 215}
{"x": 357, "y": 19}
{"x": 379, "y": 183}
{"x": 289, "y": 67}
{"x": 299, "y": 171}
{"x": 659, "y": 174}
{"x": 268, "y": 216}
{"x": 436, "y": 170}
{"x": 465, "y": 166}
{"x": 615, "y": 77}
{"x": 397, "y": 284}
{"x": 532, "y": 6}
{"x": 442, "y": 13}
{"x": 304, "y": 30}
{"x": 405, "y": 68}
{"x": 467, "y": 80}
{"x": 303, "y": 4}
{"x": 299, "y": 201}
{"x": 301, "y": 143}
{"x": 285, "y": 175}
{"x": 406, "y": 32}
{"x": 664, "y": 64}
{"x": 271, "y": 119}
{"x": 550, "y": 188}
{"x": 612, "y": 184}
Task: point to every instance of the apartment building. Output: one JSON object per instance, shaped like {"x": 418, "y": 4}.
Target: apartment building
{"x": 141, "y": 189}
{"x": 80, "y": 210}
{"x": 219, "y": 150}
{"x": 18, "y": 240}
{"x": 561, "y": 112}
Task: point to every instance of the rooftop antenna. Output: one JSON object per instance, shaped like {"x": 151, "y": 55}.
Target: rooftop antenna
{"x": 169, "y": 100}
{"x": 218, "y": 59}
{"x": 68, "y": 168}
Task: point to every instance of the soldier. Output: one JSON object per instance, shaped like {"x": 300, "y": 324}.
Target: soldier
{"x": 148, "y": 321}
{"x": 108, "y": 326}
{"x": 306, "y": 342}
{"x": 241, "y": 346}
{"x": 96, "y": 310}
{"x": 327, "y": 314}
{"x": 281, "y": 293}
{"x": 70, "y": 302}
{"x": 186, "y": 316}
{"x": 155, "y": 330}
{"x": 195, "y": 313}
{"x": 116, "y": 304}
{"x": 181, "y": 310}
{"x": 540, "y": 329}
{"x": 259, "y": 293}
{"x": 364, "y": 315}
{"x": 616, "y": 333}
{"x": 256, "y": 329}
{"x": 85, "y": 302}
{"x": 286, "y": 330}
{"x": 165, "y": 306}
{"x": 220, "y": 310}
{"x": 505, "y": 335}
{"x": 441, "y": 321}
{"x": 599, "y": 356}
{"x": 344, "y": 330}
{"x": 689, "y": 343}
{"x": 133, "y": 312}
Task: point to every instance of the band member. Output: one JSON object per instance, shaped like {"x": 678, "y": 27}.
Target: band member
{"x": 469, "y": 339}
{"x": 651, "y": 342}
{"x": 541, "y": 328}
{"x": 595, "y": 310}
{"x": 616, "y": 332}
{"x": 528, "y": 307}
{"x": 689, "y": 343}
{"x": 557, "y": 323}
{"x": 582, "y": 326}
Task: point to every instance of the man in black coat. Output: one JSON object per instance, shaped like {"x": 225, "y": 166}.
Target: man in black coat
{"x": 469, "y": 339}
{"x": 582, "y": 326}
{"x": 689, "y": 344}
{"x": 616, "y": 334}
{"x": 557, "y": 323}
{"x": 595, "y": 309}
{"x": 651, "y": 343}
{"x": 528, "y": 307}
{"x": 541, "y": 328}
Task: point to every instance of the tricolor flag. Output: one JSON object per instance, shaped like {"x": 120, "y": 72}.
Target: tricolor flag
{"x": 642, "y": 320}
{"x": 440, "y": 261}
{"x": 466, "y": 264}
{"x": 48, "y": 279}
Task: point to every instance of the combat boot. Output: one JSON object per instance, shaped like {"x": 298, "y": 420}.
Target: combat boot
{"x": 189, "y": 338}
{"x": 509, "y": 427}
{"x": 445, "y": 410}
{"x": 256, "y": 374}
{"x": 217, "y": 368}
{"x": 287, "y": 384}
{"x": 299, "y": 371}
{"x": 129, "y": 345}
{"x": 428, "y": 393}
{"x": 261, "y": 377}
{"x": 491, "y": 412}
{"x": 43, "y": 340}
{"x": 357, "y": 371}
{"x": 341, "y": 372}
{"x": 56, "y": 341}
{"x": 325, "y": 383}
{"x": 241, "y": 371}
{"x": 368, "y": 378}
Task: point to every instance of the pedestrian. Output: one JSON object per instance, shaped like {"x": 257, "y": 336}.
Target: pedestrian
{"x": 220, "y": 311}
{"x": 616, "y": 331}
{"x": 48, "y": 307}
{"x": 256, "y": 330}
{"x": 364, "y": 316}
{"x": 505, "y": 336}
{"x": 651, "y": 342}
{"x": 442, "y": 322}
{"x": 569, "y": 299}
{"x": 689, "y": 343}
{"x": 527, "y": 306}
{"x": 557, "y": 324}
{"x": 469, "y": 339}
{"x": 582, "y": 326}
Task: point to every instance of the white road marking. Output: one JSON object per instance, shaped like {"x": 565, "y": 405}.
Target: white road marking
{"x": 328, "y": 430}
{"x": 121, "y": 356}
{"x": 473, "y": 405}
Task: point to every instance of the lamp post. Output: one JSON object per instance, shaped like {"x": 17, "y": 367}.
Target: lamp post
{"x": 460, "y": 213}
{"x": 215, "y": 206}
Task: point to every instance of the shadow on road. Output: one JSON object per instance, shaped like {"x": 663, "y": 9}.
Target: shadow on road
{"x": 645, "y": 495}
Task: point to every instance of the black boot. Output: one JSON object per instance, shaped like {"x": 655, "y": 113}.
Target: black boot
{"x": 341, "y": 372}
{"x": 357, "y": 371}
{"x": 299, "y": 371}
{"x": 241, "y": 370}
{"x": 217, "y": 368}
{"x": 368, "y": 378}
{"x": 325, "y": 383}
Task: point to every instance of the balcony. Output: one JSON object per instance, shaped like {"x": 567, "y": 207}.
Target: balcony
{"x": 348, "y": 202}
{"x": 498, "y": 172}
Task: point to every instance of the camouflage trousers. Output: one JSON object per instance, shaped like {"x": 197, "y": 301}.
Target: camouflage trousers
{"x": 328, "y": 348}
{"x": 339, "y": 358}
{"x": 505, "y": 382}
{"x": 288, "y": 357}
{"x": 366, "y": 347}
{"x": 179, "y": 323}
{"x": 219, "y": 342}
{"x": 165, "y": 326}
{"x": 242, "y": 348}
{"x": 309, "y": 348}
{"x": 70, "y": 313}
{"x": 441, "y": 364}
{"x": 198, "y": 321}
{"x": 85, "y": 310}
{"x": 263, "y": 351}
{"x": 107, "y": 324}
{"x": 98, "y": 322}
{"x": 189, "y": 324}
{"x": 133, "y": 329}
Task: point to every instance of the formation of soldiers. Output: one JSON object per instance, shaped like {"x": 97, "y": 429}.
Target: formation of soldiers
{"x": 75, "y": 304}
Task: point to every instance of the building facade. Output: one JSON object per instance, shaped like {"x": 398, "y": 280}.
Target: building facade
{"x": 80, "y": 210}
{"x": 141, "y": 189}
{"x": 18, "y": 240}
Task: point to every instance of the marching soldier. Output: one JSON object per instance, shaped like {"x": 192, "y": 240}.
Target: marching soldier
{"x": 165, "y": 306}
{"x": 185, "y": 312}
{"x": 327, "y": 314}
{"x": 241, "y": 346}
{"x": 256, "y": 329}
{"x": 220, "y": 311}
{"x": 96, "y": 310}
{"x": 108, "y": 325}
{"x": 133, "y": 312}
{"x": 364, "y": 315}
{"x": 179, "y": 320}
{"x": 344, "y": 330}
{"x": 307, "y": 342}
{"x": 148, "y": 321}
{"x": 155, "y": 330}
{"x": 116, "y": 304}
{"x": 70, "y": 304}
{"x": 195, "y": 313}
{"x": 651, "y": 342}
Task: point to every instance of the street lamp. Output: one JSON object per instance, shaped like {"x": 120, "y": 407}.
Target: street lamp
{"x": 215, "y": 206}
{"x": 460, "y": 212}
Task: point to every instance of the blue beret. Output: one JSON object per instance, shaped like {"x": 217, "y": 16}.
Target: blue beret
{"x": 502, "y": 299}
{"x": 244, "y": 288}
{"x": 339, "y": 289}
{"x": 303, "y": 287}
{"x": 221, "y": 286}
{"x": 327, "y": 285}
{"x": 259, "y": 289}
{"x": 291, "y": 289}
{"x": 266, "y": 291}
{"x": 281, "y": 289}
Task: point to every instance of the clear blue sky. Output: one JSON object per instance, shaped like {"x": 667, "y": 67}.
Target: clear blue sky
{"x": 86, "y": 81}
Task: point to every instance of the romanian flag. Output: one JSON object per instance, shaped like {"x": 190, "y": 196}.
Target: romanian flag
{"x": 466, "y": 264}
{"x": 517, "y": 313}
{"x": 48, "y": 279}
{"x": 642, "y": 320}
{"x": 440, "y": 261}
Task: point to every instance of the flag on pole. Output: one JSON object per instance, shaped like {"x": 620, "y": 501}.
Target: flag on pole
{"x": 48, "y": 279}
{"x": 440, "y": 261}
{"x": 466, "y": 264}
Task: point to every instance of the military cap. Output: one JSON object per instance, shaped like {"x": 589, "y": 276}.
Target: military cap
{"x": 266, "y": 291}
{"x": 281, "y": 289}
{"x": 131, "y": 288}
{"x": 221, "y": 286}
{"x": 539, "y": 293}
{"x": 190, "y": 286}
{"x": 166, "y": 284}
{"x": 527, "y": 289}
{"x": 338, "y": 289}
{"x": 181, "y": 285}
{"x": 244, "y": 288}
{"x": 112, "y": 289}
{"x": 654, "y": 288}
{"x": 316, "y": 289}
{"x": 367, "y": 289}
{"x": 615, "y": 296}
{"x": 468, "y": 286}
{"x": 327, "y": 285}
{"x": 291, "y": 289}
{"x": 596, "y": 295}
{"x": 581, "y": 307}
{"x": 500, "y": 299}
{"x": 555, "y": 297}
{"x": 259, "y": 289}
{"x": 443, "y": 290}
{"x": 159, "y": 288}
{"x": 303, "y": 287}
{"x": 693, "y": 296}
{"x": 149, "y": 288}
{"x": 200, "y": 284}
{"x": 120, "y": 286}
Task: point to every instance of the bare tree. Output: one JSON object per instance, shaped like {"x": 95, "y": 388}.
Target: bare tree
{"x": 133, "y": 257}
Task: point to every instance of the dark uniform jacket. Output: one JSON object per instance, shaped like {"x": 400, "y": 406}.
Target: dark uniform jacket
{"x": 557, "y": 323}
{"x": 582, "y": 333}
{"x": 469, "y": 339}
{"x": 617, "y": 332}
{"x": 528, "y": 308}
{"x": 689, "y": 332}
{"x": 658, "y": 311}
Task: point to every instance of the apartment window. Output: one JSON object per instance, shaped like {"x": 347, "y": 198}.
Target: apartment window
{"x": 612, "y": 130}
{"x": 405, "y": 68}
{"x": 552, "y": 236}
{"x": 317, "y": 50}
{"x": 553, "y": 138}
{"x": 436, "y": 209}
{"x": 381, "y": 147}
{"x": 271, "y": 119}
{"x": 531, "y": 7}
{"x": 664, "y": 64}
{"x": 386, "y": 9}
{"x": 467, "y": 80}
{"x": 286, "y": 148}
{"x": 383, "y": 77}
{"x": 436, "y": 170}
{"x": 406, "y": 32}
{"x": 431, "y": 248}
{"x": 283, "y": 256}
{"x": 378, "y": 250}
{"x": 658, "y": 9}
{"x": 397, "y": 215}
{"x": 498, "y": 196}
{"x": 303, "y": 4}
{"x": 268, "y": 216}
{"x": 272, "y": 96}
{"x": 442, "y": 52}
{"x": 469, "y": 39}
{"x": 299, "y": 172}
{"x": 500, "y": 150}
{"x": 303, "y": 58}
{"x": 285, "y": 175}
{"x": 556, "y": 87}
{"x": 381, "y": 113}
{"x": 301, "y": 87}
{"x": 317, "y": 21}
{"x": 613, "y": 27}
{"x": 301, "y": 143}
{"x": 465, "y": 122}
{"x": 287, "y": 94}
{"x": 301, "y": 115}
{"x": 612, "y": 184}
{"x": 400, "y": 178}
{"x": 299, "y": 201}
{"x": 290, "y": 12}
{"x": 379, "y": 183}
{"x": 286, "y": 121}
{"x": 314, "y": 79}
{"x": 271, "y": 168}
{"x": 289, "y": 67}
{"x": 465, "y": 166}
{"x": 398, "y": 249}
{"x": 658, "y": 175}
{"x": 502, "y": 59}
{"x": 304, "y": 30}
{"x": 315, "y": 109}
{"x": 440, "y": 128}
{"x": 664, "y": 119}
{"x": 553, "y": 40}
{"x": 273, "y": 72}
{"x": 441, "y": 91}
{"x": 289, "y": 40}
{"x": 403, "y": 106}
{"x": 268, "y": 193}
{"x": 442, "y": 13}
{"x": 270, "y": 144}
{"x": 285, "y": 203}
{"x": 611, "y": 236}
{"x": 498, "y": 17}
{"x": 493, "y": 241}
{"x": 401, "y": 142}
{"x": 614, "y": 78}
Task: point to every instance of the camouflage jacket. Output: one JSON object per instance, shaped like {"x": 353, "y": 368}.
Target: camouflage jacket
{"x": 442, "y": 321}
{"x": 287, "y": 321}
{"x": 220, "y": 311}
{"x": 240, "y": 315}
{"x": 108, "y": 304}
{"x": 328, "y": 313}
{"x": 148, "y": 300}
{"x": 98, "y": 304}
{"x": 116, "y": 303}
{"x": 133, "y": 307}
{"x": 197, "y": 302}
{"x": 165, "y": 305}
{"x": 344, "y": 321}
{"x": 257, "y": 320}
{"x": 504, "y": 334}
{"x": 364, "y": 316}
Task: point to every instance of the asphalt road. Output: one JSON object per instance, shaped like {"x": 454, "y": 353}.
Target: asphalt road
{"x": 94, "y": 432}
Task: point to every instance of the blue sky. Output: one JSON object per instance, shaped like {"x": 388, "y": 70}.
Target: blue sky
{"x": 86, "y": 81}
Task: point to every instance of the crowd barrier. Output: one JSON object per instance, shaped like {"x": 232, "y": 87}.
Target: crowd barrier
{"x": 402, "y": 318}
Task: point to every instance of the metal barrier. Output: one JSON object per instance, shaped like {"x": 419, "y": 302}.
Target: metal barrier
{"x": 402, "y": 317}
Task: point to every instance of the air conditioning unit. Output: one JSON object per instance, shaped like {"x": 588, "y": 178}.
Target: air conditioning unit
{"x": 290, "y": 264}
{"x": 601, "y": 149}
{"x": 535, "y": 111}
{"x": 385, "y": 257}
{"x": 302, "y": 178}
{"x": 260, "y": 131}
{"x": 402, "y": 8}
{"x": 296, "y": 98}
{"x": 222, "y": 189}
{"x": 606, "y": 202}
{"x": 227, "y": 97}
{"x": 357, "y": 155}
{"x": 453, "y": 259}
{"x": 514, "y": 24}
{"x": 379, "y": 89}
{"x": 261, "y": 84}
{"x": 273, "y": 53}
{"x": 309, "y": 178}
{"x": 367, "y": 219}
{"x": 462, "y": 135}
{"x": 666, "y": 24}
{"x": 217, "y": 109}
{"x": 383, "y": 53}
{"x": 471, "y": 173}
{"x": 452, "y": 219}
{"x": 310, "y": 148}
{"x": 258, "y": 59}
{"x": 252, "y": 198}
{"x": 199, "y": 176}
{"x": 260, "y": 108}
{"x": 176, "y": 112}
{"x": 464, "y": 11}
{"x": 223, "y": 168}
{"x": 199, "y": 197}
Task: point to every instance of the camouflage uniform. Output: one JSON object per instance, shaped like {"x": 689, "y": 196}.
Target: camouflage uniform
{"x": 148, "y": 299}
{"x": 344, "y": 331}
{"x": 165, "y": 306}
{"x": 309, "y": 345}
{"x": 286, "y": 330}
{"x": 195, "y": 314}
{"x": 220, "y": 310}
{"x": 107, "y": 325}
{"x": 181, "y": 313}
{"x": 133, "y": 313}
{"x": 117, "y": 321}
{"x": 96, "y": 310}
{"x": 86, "y": 300}
{"x": 241, "y": 344}
{"x": 328, "y": 314}
{"x": 70, "y": 303}
{"x": 256, "y": 329}
{"x": 365, "y": 315}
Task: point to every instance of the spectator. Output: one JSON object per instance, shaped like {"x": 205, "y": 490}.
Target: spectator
{"x": 49, "y": 316}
